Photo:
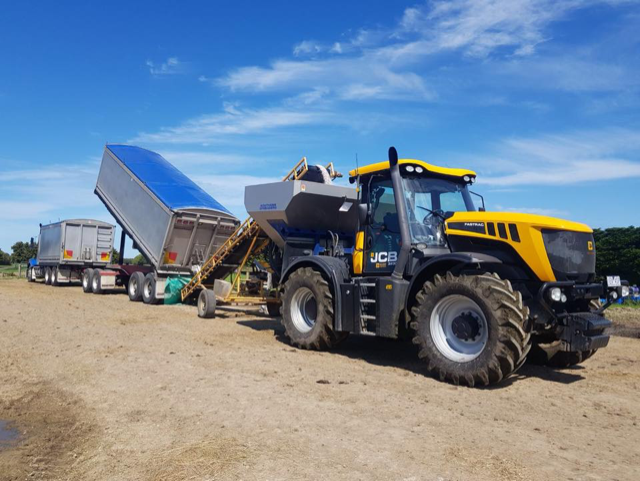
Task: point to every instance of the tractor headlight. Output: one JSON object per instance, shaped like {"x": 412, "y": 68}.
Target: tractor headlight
{"x": 419, "y": 170}
{"x": 555, "y": 294}
{"x": 625, "y": 291}
{"x": 409, "y": 168}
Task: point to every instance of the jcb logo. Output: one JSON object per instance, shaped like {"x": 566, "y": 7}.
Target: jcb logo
{"x": 383, "y": 257}
{"x": 590, "y": 245}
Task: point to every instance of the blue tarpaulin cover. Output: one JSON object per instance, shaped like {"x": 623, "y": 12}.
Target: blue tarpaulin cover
{"x": 172, "y": 187}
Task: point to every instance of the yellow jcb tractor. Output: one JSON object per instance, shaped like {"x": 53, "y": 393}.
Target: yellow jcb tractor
{"x": 408, "y": 254}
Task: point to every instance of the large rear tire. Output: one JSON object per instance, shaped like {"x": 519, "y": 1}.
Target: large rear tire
{"x": 47, "y": 276}
{"x": 149, "y": 289}
{"x": 87, "y": 278}
{"x": 471, "y": 329}
{"x": 207, "y": 304}
{"x": 54, "y": 277}
{"x": 134, "y": 288}
{"x": 307, "y": 311}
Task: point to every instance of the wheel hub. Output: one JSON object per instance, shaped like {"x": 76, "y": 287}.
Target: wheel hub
{"x": 466, "y": 326}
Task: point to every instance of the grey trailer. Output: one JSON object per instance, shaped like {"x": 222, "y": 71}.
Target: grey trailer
{"x": 68, "y": 247}
{"x": 174, "y": 223}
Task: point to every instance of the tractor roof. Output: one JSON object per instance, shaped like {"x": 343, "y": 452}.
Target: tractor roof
{"x": 382, "y": 166}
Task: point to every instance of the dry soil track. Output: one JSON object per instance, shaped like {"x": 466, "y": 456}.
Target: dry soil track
{"x": 105, "y": 389}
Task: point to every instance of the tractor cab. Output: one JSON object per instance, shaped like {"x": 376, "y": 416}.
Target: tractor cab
{"x": 431, "y": 194}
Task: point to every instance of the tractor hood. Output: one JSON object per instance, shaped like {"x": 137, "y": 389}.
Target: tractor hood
{"x": 554, "y": 249}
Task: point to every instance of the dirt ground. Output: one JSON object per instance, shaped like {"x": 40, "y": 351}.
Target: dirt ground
{"x": 101, "y": 388}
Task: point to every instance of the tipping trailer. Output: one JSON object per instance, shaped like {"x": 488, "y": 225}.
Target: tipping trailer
{"x": 68, "y": 247}
{"x": 172, "y": 222}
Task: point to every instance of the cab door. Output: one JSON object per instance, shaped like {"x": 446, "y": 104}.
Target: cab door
{"x": 382, "y": 234}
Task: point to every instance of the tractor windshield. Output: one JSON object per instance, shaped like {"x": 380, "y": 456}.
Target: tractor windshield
{"x": 428, "y": 200}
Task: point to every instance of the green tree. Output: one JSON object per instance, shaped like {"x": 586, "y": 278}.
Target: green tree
{"x": 618, "y": 252}
{"x": 23, "y": 251}
{"x": 5, "y": 258}
{"x": 139, "y": 260}
{"x": 115, "y": 255}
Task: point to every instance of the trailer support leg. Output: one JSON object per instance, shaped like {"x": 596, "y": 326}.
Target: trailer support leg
{"x": 121, "y": 256}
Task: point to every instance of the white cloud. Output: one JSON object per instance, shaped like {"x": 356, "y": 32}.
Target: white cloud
{"x": 307, "y": 47}
{"x": 562, "y": 159}
{"x": 171, "y": 66}
{"x": 394, "y": 63}
{"x": 229, "y": 189}
{"x": 234, "y": 121}
{"x": 532, "y": 210}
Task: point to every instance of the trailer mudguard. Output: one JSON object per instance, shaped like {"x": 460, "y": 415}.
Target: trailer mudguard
{"x": 335, "y": 269}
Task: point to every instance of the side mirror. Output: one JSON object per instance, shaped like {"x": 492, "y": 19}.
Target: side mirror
{"x": 363, "y": 213}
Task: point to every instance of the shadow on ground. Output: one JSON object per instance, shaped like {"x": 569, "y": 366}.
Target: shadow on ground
{"x": 404, "y": 355}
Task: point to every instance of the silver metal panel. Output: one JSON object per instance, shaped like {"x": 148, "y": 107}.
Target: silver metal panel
{"x": 75, "y": 242}
{"x": 50, "y": 244}
{"x": 165, "y": 237}
{"x": 308, "y": 206}
{"x": 140, "y": 213}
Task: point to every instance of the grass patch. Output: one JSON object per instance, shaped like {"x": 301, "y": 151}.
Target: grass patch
{"x": 626, "y": 305}
{"x": 12, "y": 269}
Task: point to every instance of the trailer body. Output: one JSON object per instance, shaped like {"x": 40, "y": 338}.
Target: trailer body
{"x": 173, "y": 222}
{"x": 67, "y": 247}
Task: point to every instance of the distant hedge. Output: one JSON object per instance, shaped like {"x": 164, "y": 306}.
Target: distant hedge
{"x": 618, "y": 252}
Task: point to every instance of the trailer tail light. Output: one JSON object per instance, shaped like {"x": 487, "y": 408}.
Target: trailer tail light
{"x": 104, "y": 256}
{"x": 68, "y": 254}
{"x": 170, "y": 257}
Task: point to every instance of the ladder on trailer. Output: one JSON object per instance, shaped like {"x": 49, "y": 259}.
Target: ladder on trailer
{"x": 247, "y": 240}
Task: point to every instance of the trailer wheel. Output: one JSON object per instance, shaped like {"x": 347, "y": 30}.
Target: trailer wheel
{"x": 29, "y": 278}
{"x": 207, "y": 304}
{"x": 134, "y": 289}
{"x": 54, "y": 277}
{"x": 87, "y": 278}
{"x": 47, "y": 276}
{"x": 307, "y": 311}
{"x": 96, "y": 281}
{"x": 471, "y": 329}
{"x": 149, "y": 289}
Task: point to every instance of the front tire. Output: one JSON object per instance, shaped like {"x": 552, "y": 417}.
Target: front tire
{"x": 307, "y": 311}
{"x": 471, "y": 329}
{"x": 207, "y": 304}
{"x": 87, "y": 278}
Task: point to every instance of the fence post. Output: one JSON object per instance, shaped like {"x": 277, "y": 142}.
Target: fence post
{"x": 19, "y": 270}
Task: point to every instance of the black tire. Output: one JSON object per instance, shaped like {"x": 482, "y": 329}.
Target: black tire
{"x": 206, "y": 304}
{"x": 307, "y": 311}
{"x": 273, "y": 309}
{"x": 149, "y": 289}
{"x": 499, "y": 309}
{"x": 29, "y": 275}
{"x": 134, "y": 288}
{"x": 54, "y": 277}
{"x": 96, "y": 281}
{"x": 549, "y": 354}
{"x": 87, "y": 278}
{"x": 47, "y": 276}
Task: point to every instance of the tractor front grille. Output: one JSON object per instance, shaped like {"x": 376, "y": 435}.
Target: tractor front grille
{"x": 572, "y": 254}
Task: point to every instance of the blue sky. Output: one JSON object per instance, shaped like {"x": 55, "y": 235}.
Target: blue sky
{"x": 540, "y": 97}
